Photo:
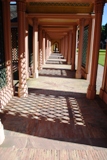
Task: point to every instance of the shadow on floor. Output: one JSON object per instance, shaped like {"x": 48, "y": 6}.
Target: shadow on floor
{"x": 55, "y": 62}
{"x": 53, "y": 72}
{"x": 57, "y": 115}
{"x": 56, "y": 58}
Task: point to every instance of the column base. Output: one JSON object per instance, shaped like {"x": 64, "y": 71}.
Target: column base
{"x": 2, "y": 136}
{"x": 23, "y": 92}
{"x": 103, "y": 95}
{"x": 35, "y": 75}
{"x": 78, "y": 75}
{"x": 84, "y": 73}
{"x": 91, "y": 92}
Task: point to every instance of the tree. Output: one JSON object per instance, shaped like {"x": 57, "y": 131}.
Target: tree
{"x": 103, "y": 35}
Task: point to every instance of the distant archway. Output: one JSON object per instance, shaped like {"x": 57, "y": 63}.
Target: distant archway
{"x": 56, "y": 47}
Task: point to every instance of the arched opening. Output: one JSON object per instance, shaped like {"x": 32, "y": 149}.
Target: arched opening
{"x": 56, "y": 47}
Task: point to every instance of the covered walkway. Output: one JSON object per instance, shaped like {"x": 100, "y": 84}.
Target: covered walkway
{"x": 56, "y": 120}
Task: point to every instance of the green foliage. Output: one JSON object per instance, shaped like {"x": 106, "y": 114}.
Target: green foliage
{"x": 104, "y": 33}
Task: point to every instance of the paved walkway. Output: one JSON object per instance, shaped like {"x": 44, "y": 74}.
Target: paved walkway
{"x": 99, "y": 78}
{"x": 56, "y": 121}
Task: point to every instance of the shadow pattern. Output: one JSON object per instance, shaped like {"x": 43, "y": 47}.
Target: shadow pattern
{"x": 53, "y": 72}
{"x": 64, "y": 116}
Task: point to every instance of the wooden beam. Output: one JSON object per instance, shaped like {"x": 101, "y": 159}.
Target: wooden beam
{"x": 76, "y": 1}
{"x": 57, "y": 16}
{"x": 53, "y": 24}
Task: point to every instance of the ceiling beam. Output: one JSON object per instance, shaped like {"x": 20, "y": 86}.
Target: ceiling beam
{"x": 58, "y": 16}
{"x": 76, "y": 1}
{"x": 56, "y": 24}
{"x": 59, "y": 29}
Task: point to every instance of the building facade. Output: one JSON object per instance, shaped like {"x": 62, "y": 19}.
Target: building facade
{"x": 30, "y": 30}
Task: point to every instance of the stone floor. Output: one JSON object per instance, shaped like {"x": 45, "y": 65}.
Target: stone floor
{"x": 56, "y": 121}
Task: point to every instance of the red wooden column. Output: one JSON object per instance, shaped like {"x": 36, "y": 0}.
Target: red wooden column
{"x": 69, "y": 47}
{"x": 90, "y": 44}
{"x": 7, "y": 46}
{"x": 91, "y": 92}
{"x": 66, "y": 47}
{"x": 63, "y": 47}
{"x": 103, "y": 90}
{"x": 61, "y": 41}
{"x": 22, "y": 90}
{"x": 60, "y": 46}
{"x": 47, "y": 48}
{"x": 78, "y": 72}
{"x": 26, "y": 49}
{"x": 7, "y": 91}
{"x": 43, "y": 46}
{"x": 40, "y": 48}
{"x": 50, "y": 47}
{"x": 73, "y": 48}
{"x": 35, "y": 48}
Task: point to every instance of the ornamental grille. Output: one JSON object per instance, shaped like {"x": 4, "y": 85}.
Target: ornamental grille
{"x": 2, "y": 77}
{"x": 85, "y": 45}
{"x": 2, "y": 53}
{"x": 30, "y": 46}
{"x": 14, "y": 41}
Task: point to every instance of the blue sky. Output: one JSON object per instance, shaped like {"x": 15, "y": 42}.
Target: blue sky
{"x": 104, "y": 18}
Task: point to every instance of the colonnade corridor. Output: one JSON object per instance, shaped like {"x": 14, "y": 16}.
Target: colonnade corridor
{"x": 56, "y": 120}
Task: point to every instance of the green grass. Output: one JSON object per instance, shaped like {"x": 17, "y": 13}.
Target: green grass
{"x": 101, "y": 57}
{"x": 102, "y": 53}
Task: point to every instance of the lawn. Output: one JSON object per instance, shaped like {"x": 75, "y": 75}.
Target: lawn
{"x": 101, "y": 57}
{"x": 102, "y": 53}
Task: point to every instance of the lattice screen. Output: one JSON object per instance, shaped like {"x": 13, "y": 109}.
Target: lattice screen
{"x": 14, "y": 39}
{"x": 2, "y": 53}
{"x": 30, "y": 46}
{"x": 85, "y": 45}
